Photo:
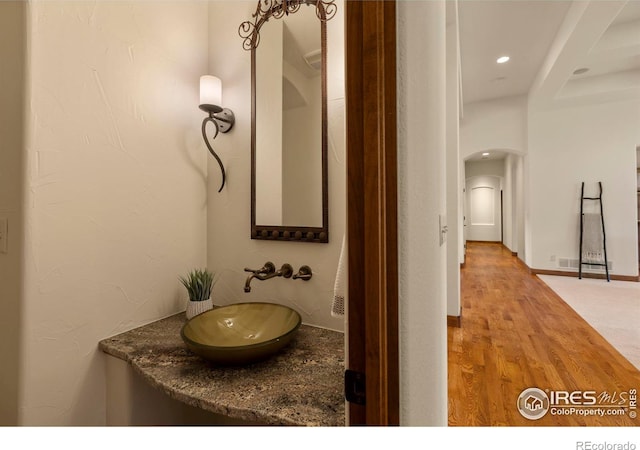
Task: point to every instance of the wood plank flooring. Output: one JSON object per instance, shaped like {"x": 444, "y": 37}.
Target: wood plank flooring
{"x": 516, "y": 333}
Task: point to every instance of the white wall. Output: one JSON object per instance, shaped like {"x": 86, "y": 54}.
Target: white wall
{"x": 494, "y": 125}
{"x": 508, "y": 203}
{"x": 115, "y": 188}
{"x": 421, "y": 42}
{"x": 590, "y": 144}
{"x": 520, "y": 208}
{"x": 230, "y": 248}
{"x": 513, "y": 203}
{"x": 492, "y": 167}
{"x": 12, "y": 92}
{"x": 455, "y": 184}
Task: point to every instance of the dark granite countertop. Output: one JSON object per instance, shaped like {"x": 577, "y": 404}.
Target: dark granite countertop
{"x": 302, "y": 385}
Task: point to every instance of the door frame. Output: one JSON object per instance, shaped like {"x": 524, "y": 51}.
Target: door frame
{"x": 370, "y": 70}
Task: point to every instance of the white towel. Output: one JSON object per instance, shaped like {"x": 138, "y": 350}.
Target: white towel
{"x": 339, "y": 288}
{"x": 592, "y": 238}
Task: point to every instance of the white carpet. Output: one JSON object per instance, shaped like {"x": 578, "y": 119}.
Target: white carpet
{"x": 613, "y": 309}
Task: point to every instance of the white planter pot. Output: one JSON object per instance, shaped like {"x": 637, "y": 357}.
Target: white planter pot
{"x": 195, "y": 308}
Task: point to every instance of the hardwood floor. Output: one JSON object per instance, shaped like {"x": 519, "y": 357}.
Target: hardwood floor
{"x": 516, "y": 333}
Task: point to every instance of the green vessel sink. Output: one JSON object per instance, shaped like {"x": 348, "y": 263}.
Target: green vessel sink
{"x": 242, "y": 333}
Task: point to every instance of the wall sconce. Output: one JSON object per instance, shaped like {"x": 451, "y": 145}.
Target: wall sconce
{"x": 222, "y": 118}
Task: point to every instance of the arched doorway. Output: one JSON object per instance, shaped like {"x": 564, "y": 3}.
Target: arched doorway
{"x": 493, "y": 200}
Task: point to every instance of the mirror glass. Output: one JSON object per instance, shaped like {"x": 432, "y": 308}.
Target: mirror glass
{"x": 289, "y": 129}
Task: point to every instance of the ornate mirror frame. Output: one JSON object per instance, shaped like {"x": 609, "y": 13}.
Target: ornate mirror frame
{"x": 250, "y": 32}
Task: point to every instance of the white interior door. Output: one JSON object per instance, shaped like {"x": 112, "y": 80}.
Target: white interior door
{"x": 483, "y": 209}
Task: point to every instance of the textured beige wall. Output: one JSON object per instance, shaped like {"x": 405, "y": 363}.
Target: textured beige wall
{"x": 115, "y": 188}
{"x": 12, "y": 99}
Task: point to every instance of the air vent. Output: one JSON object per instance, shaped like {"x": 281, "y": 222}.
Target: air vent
{"x": 565, "y": 263}
{"x": 573, "y": 263}
{"x": 314, "y": 59}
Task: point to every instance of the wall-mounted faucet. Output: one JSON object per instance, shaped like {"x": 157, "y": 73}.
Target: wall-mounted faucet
{"x": 267, "y": 272}
{"x": 304, "y": 273}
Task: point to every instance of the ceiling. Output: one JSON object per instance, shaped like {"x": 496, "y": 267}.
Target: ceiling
{"x": 524, "y": 30}
{"x": 301, "y": 41}
{"x": 547, "y": 41}
{"x": 493, "y": 155}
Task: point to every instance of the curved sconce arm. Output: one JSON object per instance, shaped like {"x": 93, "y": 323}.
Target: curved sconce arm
{"x": 223, "y": 122}
{"x": 222, "y": 118}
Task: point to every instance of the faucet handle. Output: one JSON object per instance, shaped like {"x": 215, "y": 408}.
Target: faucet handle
{"x": 286, "y": 270}
{"x": 304, "y": 273}
{"x": 268, "y": 268}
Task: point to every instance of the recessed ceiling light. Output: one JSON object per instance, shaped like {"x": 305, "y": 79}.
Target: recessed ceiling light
{"x": 502, "y": 59}
{"x": 485, "y": 154}
{"x": 581, "y": 71}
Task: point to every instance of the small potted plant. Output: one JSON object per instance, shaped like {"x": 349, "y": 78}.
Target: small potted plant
{"x": 198, "y": 283}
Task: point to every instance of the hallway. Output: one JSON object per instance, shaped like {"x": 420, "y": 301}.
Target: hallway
{"x": 515, "y": 334}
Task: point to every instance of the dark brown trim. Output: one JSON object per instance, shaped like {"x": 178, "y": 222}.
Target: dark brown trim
{"x": 372, "y": 207}
{"x": 454, "y": 321}
{"x": 514, "y": 253}
{"x": 355, "y": 203}
{"x": 599, "y": 276}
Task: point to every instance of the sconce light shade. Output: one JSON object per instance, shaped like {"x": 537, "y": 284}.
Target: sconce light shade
{"x": 210, "y": 93}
